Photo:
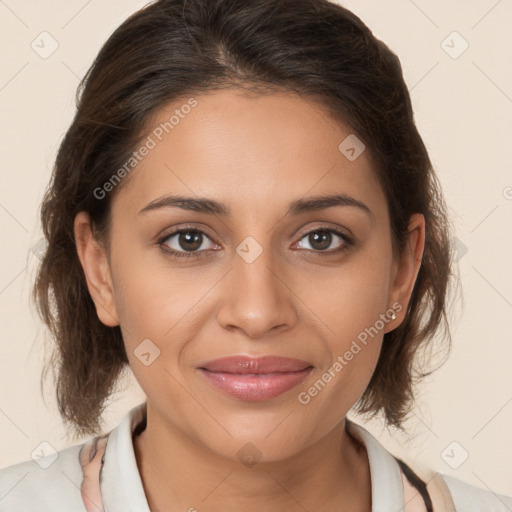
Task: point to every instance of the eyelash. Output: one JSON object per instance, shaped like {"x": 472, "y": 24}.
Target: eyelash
{"x": 198, "y": 254}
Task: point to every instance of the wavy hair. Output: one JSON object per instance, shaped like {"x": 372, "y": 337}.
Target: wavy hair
{"x": 172, "y": 49}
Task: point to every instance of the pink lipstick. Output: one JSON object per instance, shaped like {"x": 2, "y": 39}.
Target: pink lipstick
{"x": 255, "y": 379}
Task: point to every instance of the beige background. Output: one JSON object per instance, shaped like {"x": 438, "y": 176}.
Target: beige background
{"x": 463, "y": 109}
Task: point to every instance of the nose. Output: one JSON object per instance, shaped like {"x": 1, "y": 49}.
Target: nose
{"x": 257, "y": 297}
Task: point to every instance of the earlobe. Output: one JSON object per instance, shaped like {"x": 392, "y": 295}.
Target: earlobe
{"x": 407, "y": 267}
{"x": 96, "y": 268}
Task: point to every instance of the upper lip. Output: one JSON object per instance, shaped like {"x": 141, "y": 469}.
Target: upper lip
{"x": 258, "y": 365}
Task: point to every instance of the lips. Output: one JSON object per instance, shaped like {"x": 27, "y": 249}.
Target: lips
{"x": 261, "y": 365}
{"x": 255, "y": 379}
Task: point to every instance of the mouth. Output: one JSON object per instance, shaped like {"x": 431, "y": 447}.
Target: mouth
{"x": 255, "y": 379}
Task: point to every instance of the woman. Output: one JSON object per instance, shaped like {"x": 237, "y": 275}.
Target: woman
{"x": 244, "y": 213}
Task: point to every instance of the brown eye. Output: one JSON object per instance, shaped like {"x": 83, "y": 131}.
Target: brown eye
{"x": 185, "y": 242}
{"x": 190, "y": 240}
{"x": 322, "y": 239}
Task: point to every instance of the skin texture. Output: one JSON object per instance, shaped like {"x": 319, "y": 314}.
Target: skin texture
{"x": 255, "y": 154}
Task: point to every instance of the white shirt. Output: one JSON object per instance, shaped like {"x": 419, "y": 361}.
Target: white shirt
{"x": 28, "y": 487}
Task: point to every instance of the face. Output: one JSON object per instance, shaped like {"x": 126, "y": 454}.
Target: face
{"x": 258, "y": 270}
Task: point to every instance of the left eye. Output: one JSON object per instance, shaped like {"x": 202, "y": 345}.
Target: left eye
{"x": 321, "y": 239}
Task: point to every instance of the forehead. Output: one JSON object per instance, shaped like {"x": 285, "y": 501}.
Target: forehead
{"x": 245, "y": 150}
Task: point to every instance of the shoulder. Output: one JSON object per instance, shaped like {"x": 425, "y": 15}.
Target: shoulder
{"x": 469, "y": 498}
{"x": 51, "y": 483}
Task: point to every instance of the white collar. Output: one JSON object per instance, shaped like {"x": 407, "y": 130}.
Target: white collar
{"x": 122, "y": 489}
{"x": 385, "y": 473}
{"x": 121, "y": 484}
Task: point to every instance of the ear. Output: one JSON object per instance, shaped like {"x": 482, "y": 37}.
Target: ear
{"x": 93, "y": 258}
{"x": 406, "y": 268}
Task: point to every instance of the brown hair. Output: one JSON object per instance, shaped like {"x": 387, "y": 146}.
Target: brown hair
{"x": 174, "y": 48}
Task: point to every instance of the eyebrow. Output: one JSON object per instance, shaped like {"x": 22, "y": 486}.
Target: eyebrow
{"x": 209, "y": 206}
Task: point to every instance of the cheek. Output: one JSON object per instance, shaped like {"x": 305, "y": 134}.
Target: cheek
{"x": 351, "y": 298}
{"x": 353, "y": 341}
{"x": 160, "y": 303}
{"x": 351, "y": 303}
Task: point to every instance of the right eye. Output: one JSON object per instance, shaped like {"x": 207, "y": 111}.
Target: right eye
{"x": 185, "y": 242}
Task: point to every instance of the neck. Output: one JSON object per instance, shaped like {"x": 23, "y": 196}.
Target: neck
{"x": 179, "y": 474}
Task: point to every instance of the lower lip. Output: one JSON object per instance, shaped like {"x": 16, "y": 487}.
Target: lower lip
{"x": 253, "y": 387}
